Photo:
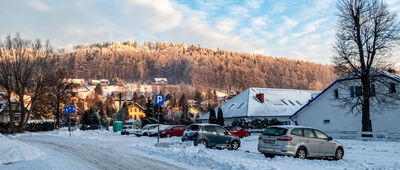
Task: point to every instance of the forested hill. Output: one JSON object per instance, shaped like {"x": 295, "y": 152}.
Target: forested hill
{"x": 203, "y": 67}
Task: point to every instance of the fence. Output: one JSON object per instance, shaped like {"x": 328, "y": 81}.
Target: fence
{"x": 364, "y": 135}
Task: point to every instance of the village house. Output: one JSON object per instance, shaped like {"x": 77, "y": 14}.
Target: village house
{"x": 263, "y": 103}
{"x": 328, "y": 112}
{"x": 15, "y": 107}
{"x": 136, "y": 111}
{"x": 161, "y": 81}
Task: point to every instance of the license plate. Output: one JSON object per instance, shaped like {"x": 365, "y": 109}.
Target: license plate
{"x": 269, "y": 141}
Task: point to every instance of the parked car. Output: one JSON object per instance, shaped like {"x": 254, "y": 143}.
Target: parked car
{"x": 145, "y": 130}
{"x": 211, "y": 135}
{"x": 238, "y": 131}
{"x": 173, "y": 130}
{"x": 298, "y": 141}
{"x": 153, "y": 132}
{"x": 130, "y": 127}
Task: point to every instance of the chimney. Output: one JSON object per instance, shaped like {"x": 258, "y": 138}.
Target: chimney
{"x": 260, "y": 97}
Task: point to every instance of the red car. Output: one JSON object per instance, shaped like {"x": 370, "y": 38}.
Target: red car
{"x": 239, "y": 132}
{"x": 174, "y": 130}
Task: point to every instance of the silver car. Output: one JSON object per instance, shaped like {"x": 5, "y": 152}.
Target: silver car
{"x": 298, "y": 141}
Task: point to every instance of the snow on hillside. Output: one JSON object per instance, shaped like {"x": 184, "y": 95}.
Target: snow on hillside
{"x": 358, "y": 154}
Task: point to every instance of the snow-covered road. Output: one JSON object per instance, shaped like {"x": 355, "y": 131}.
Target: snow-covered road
{"x": 90, "y": 154}
{"x": 106, "y": 150}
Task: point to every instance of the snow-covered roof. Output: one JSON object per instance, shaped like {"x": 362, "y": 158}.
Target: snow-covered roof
{"x": 160, "y": 79}
{"x": 277, "y": 102}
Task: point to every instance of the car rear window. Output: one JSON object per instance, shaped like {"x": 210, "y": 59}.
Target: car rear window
{"x": 274, "y": 131}
{"x": 193, "y": 127}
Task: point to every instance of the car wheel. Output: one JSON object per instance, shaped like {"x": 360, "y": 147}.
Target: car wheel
{"x": 145, "y": 134}
{"x": 204, "y": 142}
{"x": 122, "y": 133}
{"x": 168, "y": 135}
{"x": 127, "y": 133}
{"x": 234, "y": 145}
{"x": 301, "y": 153}
{"x": 339, "y": 154}
{"x": 267, "y": 155}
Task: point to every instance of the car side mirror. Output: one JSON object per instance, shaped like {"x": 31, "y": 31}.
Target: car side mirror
{"x": 329, "y": 138}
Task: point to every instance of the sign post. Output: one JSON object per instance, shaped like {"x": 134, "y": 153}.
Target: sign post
{"x": 159, "y": 102}
{"x": 69, "y": 110}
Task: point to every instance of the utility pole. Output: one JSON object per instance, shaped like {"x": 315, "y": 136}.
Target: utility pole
{"x": 158, "y": 131}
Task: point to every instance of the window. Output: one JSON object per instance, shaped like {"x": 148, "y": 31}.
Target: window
{"x": 291, "y": 102}
{"x": 355, "y": 91}
{"x": 372, "y": 89}
{"x": 135, "y": 117}
{"x": 209, "y": 128}
{"x": 240, "y": 106}
{"x": 231, "y": 106}
{"x": 320, "y": 134}
{"x": 274, "y": 131}
{"x": 283, "y": 101}
{"x": 220, "y": 130}
{"x": 193, "y": 127}
{"x": 298, "y": 102}
{"x": 336, "y": 93}
{"x": 286, "y": 122}
{"x": 309, "y": 133}
{"x": 392, "y": 88}
{"x": 297, "y": 132}
{"x": 327, "y": 121}
{"x": 358, "y": 91}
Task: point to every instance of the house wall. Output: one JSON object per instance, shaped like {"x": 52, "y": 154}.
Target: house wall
{"x": 135, "y": 113}
{"x": 327, "y": 107}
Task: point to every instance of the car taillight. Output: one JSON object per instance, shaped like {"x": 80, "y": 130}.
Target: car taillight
{"x": 285, "y": 138}
{"x": 196, "y": 134}
{"x": 260, "y": 137}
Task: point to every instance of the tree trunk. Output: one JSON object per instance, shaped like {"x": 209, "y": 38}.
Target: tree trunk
{"x": 366, "y": 95}
{"x": 57, "y": 114}
{"x": 21, "y": 126}
{"x": 10, "y": 113}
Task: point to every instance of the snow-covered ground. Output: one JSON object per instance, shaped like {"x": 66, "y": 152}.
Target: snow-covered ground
{"x": 106, "y": 150}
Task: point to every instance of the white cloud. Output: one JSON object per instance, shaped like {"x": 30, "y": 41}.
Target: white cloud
{"x": 254, "y": 4}
{"x": 226, "y": 24}
{"x": 38, "y": 5}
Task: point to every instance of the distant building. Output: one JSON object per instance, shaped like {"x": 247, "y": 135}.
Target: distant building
{"x": 263, "y": 103}
{"x": 136, "y": 111}
{"x": 77, "y": 81}
{"x": 327, "y": 112}
{"x": 15, "y": 107}
{"x": 161, "y": 81}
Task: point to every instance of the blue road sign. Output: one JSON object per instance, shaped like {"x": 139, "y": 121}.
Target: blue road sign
{"x": 69, "y": 109}
{"x": 159, "y": 99}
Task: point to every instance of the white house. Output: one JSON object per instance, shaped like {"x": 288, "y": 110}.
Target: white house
{"x": 161, "y": 81}
{"x": 260, "y": 103}
{"x": 328, "y": 112}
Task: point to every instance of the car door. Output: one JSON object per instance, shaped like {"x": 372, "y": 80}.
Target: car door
{"x": 311, "y": 142}
{"x": 210, "y": 134}
{"x": 222, "y": 135}
{"x": 325, "y": 147}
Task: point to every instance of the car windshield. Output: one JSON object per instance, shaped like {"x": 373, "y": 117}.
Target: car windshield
{"x": 193, "y": 127}
{"x": 274, "y": 131}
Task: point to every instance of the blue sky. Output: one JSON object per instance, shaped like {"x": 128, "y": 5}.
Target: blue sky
{"x": 296, "y": 29}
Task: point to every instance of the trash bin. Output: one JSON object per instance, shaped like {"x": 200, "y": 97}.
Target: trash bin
{"x": 117, "y": 126}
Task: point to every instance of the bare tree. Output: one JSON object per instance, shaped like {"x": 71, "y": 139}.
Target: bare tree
{"x": 366, "y": 33}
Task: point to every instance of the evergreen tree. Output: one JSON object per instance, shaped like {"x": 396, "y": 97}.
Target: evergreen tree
{"x": 198, "y": 99}
{"x": 220, "y": 119}
{"x": 135, "y": 97}
{"x": 212, "y": 119}
{"x": 98, "y": 89}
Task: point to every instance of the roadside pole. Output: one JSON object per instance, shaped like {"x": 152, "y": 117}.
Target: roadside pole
{"x": 69, "y": 128}
{"x": 159, "y": 102}
{"x": 69, "y": 110}
{"x": 158, "y": 131}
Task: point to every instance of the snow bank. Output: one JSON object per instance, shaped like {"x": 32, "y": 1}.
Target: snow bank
{"x": 12, "y": 150}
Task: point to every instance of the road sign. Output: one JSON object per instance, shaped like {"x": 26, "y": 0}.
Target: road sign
{"x": 69, "y": 109}
{"x": 159, "y": 99}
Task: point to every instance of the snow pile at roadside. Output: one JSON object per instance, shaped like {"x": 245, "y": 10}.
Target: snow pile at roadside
{"x": 358, "y": 155}
{"x": 12, "y": 150}
{"x": 75, "y": 133}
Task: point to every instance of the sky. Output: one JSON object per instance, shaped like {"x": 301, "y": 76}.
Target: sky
{"x": 295, "y": 29}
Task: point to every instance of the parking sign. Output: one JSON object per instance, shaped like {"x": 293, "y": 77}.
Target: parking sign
{"x": 159, "y": 99}
{"x": 69, "y": 109}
